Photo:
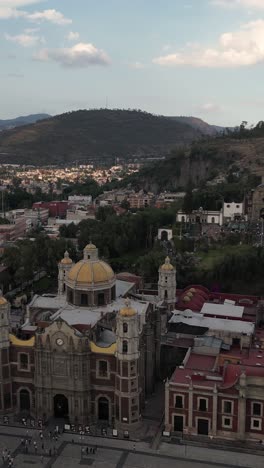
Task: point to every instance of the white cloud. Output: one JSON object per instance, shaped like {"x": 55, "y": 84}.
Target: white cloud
{"x": 8, "y": 8}
{"x": 136, "y": 65}
{"x": 24, "y": 39}
{"x": 79, "y": 56}
{"x": 244, "y": 47}
{"x": 18, "y": 3}
{"x": 53, "y": 16}
{"x": 11, "y": 9}
{"x": 73, "y": 36}
{"x": 257, "y": 4}
{"x": 209, "y": 107}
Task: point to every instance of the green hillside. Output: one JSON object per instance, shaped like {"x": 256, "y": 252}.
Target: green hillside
{"x": 99, "y": 134}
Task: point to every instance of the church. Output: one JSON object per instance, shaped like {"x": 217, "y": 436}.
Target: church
{"x": 89, "y": 354}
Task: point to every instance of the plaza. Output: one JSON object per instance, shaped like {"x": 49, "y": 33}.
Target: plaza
{"x": 70, "y": 451}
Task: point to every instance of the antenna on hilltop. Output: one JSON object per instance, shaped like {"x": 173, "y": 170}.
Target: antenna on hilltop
{"x": 106, "y": 102}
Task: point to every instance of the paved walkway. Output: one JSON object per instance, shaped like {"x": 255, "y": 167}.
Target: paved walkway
{"x": 70, "y": 452}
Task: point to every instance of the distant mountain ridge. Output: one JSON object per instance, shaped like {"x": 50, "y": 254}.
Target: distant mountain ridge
{"x": 22, "y": 120}
{"x": 99, "y": 135}
{"x": 201, "y": 125}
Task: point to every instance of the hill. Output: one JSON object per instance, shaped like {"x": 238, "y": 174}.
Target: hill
{"x": 240, "y": 153}
{"x": 200, "y": 125}
{"x": 23, "y": 120}
{"x": 94, "y": 134}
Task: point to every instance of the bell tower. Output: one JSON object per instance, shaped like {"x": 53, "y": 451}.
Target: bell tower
{"x": 64, "y": 267}
{"x": 127, "y": 391}
{"x": 167, "y": 283}
{"x": 5, "y": 375}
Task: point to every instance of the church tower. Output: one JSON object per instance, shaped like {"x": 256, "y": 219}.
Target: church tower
{"x": 64, "y": 267}
{"x": 127, "y": 391}
{"x": 167, "y": 284}
{"x": 5, "y": 376}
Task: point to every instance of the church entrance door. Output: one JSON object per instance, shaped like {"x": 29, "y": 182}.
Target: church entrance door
{"x": 61, "y": 407}
{"x": 103, "y": 409}
{"x": 24, "y": 398}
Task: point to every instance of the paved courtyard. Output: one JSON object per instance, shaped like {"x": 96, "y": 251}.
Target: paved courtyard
{"x": 70, "y": 451}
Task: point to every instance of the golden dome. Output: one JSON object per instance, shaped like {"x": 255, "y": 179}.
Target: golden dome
{"x": 90, "y": 272}
{"x": 189, "y": 294}
{"x": 167, "y": 266}
{"x": 127, "y": 311}
{"x": 90, "y": 246}
{"x": 3, "y": 301}
{"x": 193, "y": 290}
{"x": 66, "y": 260}
{"x": 186, "y": 299}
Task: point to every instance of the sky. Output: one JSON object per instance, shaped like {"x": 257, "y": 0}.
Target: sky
{"x": 203, "y": 58}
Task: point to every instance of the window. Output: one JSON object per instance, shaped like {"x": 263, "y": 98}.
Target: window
{"x": 103, "y": 368}
{"x": 70, "y": 297}
{"x": 101, "y": 299}
{"x": 213, "y": 220}
{"x": 227, "y": 422}
{"x": 202, "y": 404}
{"x": 165, "y": 294}
{"x": 125, "y": 327}
{"x": 257, "y": 409}
{"x": 227, "y": 406}
{"x": 178, "y": 401}
{"x": 255, "y": 424}
{"x": 84, "y": 299}
{"x": 23, "y": 361}
{"x": 124, "y": 347}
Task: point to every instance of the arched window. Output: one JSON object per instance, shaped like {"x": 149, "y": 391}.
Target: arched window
{"x": 213, "y": 220}
{"x": 101, "y": 299}
{"x": 182, "y": 219}
{"x": 165, "y": 294}
{"x": 124, "y": 347}
{"x": 70, "y": 297}
{"x": 84, "y": 299}
{"x": 125, "y": 327}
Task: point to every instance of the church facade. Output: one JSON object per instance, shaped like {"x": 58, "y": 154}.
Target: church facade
{"x": 89, "y": 353}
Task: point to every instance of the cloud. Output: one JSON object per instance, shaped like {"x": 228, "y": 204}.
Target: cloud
{"x": 136, "y": 65}
{"x": 24, "y": 39}
{"x": 256, "y": 4}
{"x": 73, "y": 36}
{"x": 244, "y": 47}
{"x": 209, "y": 107}
{"x": 79, "y": 56}
{"x": 53, "y": 16}
{"x": 18, "y": 3}
{"x": 8, "y": 8}
{"x": 11, "y": 9}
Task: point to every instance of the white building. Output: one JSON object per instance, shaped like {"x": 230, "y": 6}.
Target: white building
{"x": 201, "y": 216}
{"x": 233, "y": 211}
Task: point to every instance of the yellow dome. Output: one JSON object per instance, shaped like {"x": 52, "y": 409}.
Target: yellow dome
{"x": 91, "y": 272}
{"x": 193, "y": 290}
{"x": 127, "y": 311}
{"x": 66, "y": 261}
{"x": 167, "y": 266}
{"x": 3, "y": 301}
{"x": 186, "y": 299}
{"x": 90, "y": 246}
